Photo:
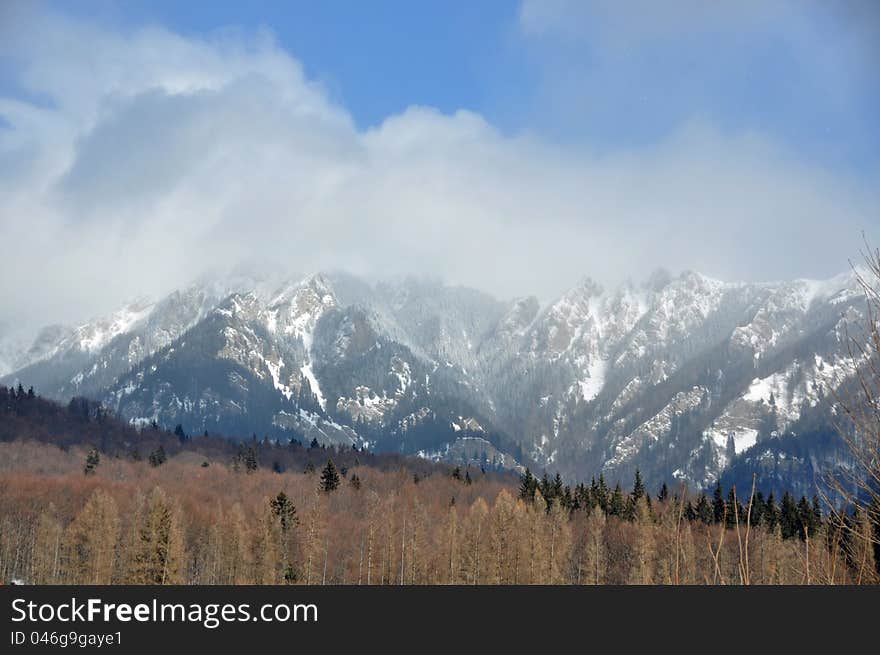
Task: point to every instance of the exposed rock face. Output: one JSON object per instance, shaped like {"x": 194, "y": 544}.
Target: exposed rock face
{"x": 677, "y": 376}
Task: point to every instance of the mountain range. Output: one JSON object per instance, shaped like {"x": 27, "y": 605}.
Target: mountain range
{"x": 685, "y": 378}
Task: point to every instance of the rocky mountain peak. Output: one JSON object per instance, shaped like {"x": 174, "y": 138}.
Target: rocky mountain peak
{"x": 661, "y": 376}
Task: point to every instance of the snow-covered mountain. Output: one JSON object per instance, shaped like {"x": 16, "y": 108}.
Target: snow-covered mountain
{"x": 676, "y": 377}
{"x": 681, "y": 377}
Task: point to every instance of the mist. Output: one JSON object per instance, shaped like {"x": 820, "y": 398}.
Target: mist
{"x": 133, "y": 159}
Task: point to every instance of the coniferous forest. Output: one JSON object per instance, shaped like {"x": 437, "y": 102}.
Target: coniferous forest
{"x": 87, "y": 499}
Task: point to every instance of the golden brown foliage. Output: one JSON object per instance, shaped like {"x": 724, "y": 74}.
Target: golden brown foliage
{"x": 188, "y": 523}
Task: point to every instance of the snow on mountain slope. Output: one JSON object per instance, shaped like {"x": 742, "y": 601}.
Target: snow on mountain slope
{"x": 657, "y": 427}
{"x": 89, "y": 337}
{"x": 621, "y": 362}
{"x": 675, "y": 376}
{"x": 295, "y": 311}
{"x": 93, "y": 336}
{"x": 65, "y": 361}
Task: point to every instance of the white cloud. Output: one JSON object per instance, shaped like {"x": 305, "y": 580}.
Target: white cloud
{"x": 145, "y": 157}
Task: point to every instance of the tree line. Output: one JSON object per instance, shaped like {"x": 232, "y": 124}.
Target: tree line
{"x": 163, "y": 507}
{"x": 126, "y": 521}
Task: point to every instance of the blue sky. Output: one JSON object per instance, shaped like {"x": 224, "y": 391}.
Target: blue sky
{"x": 377, "y": 58}
{"x": 146, "y": 142}
{"x": 804, "y": 72}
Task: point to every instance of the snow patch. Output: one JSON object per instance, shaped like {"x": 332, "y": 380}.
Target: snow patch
{"x": 275, "y": 372}
{"x": 593, "y": 383}
{"x": 94, "y": 336}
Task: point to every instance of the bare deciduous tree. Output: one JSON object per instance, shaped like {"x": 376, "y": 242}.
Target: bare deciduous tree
{"x": 857, "y": 485}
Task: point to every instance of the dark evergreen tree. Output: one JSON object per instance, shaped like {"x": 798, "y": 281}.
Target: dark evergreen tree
{"x": 557, "y": 485}
{"x": 600, "y": 494}
{"x": 735, "y": 510}
{"x": 584, "y": 496}
{"x": 759, "y": 509}
{"x": 771, "y": 513}
{"x": 719, "y": 507}
{"x": 566, "y": 498}
{"x": 93, "y": 458}
{"x": 788, "y": 517}
{"x": 546, "y": 487}
{"x": 638, "y": 491}
{"x": 284, "y": 511}
{"x": 663, "y": 496}
{"x": 617, "y": 505}
{"x": 329, "y": 477}
{"x": 577, "y": 498}
{"x": 158, "y": 457}
{"x": 527, "y": 486}
{"x": 704, "y": 510}
{"x": 250, "y": 459}
{"x": 817, "y": 513}
{"x": 807, "y": 522}
{"x": 355, "y": 481}
{"x": 629, "y": 511}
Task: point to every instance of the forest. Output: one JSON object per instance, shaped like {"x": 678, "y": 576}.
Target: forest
{"x": 87, "y": 499}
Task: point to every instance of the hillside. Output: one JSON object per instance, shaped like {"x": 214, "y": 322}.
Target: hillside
{"x": 679, "y": 377}
{"x": 85, "y": 498}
